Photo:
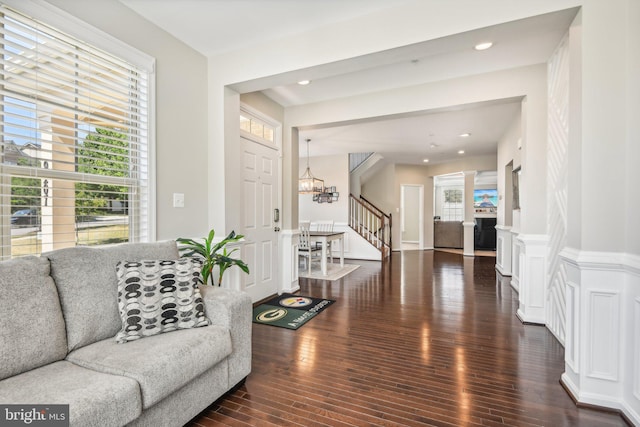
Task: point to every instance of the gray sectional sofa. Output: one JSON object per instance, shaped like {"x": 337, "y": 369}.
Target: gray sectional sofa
{"x": 58, "y": 318}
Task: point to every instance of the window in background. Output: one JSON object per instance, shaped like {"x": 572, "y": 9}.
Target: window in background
{"x": 74, "y": 136}
{"x": 452, "y": 204}
{"x": 256, "y": 129}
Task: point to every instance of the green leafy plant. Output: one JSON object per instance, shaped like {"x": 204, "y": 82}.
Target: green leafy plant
{"x": 209, "y": 252}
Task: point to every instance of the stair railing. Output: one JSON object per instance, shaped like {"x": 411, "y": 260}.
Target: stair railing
{"x": 371, "y": 223}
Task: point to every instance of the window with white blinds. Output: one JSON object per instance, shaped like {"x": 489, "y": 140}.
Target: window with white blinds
{"x": 74, "y": 138}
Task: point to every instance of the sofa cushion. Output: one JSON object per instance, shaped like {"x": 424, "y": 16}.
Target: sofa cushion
{"x": 88, "y": 287}
{"x": 156, "y": 296}
{"x": 32, "y": 331}
{"x": 94, "y": 398}
{"x": 161, "y": 364}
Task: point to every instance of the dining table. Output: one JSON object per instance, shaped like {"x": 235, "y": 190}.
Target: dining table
{"x": 324, "y": 237}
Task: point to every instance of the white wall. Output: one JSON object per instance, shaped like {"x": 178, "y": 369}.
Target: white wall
{"x": 260, "y": 102}
{"x": 181, "y": 113}
{"x": 410, "y": 213}
{"x": 632, "y": 54}
{"x": 263, "y": 66}
{"x": 606, "y": 125}
{"x": 334, "y": 170}
{"x": 508, "y": 152}
{"x": 602, "y": 352}
{"x": 414, "y": 175}
{"x": 379, "y": 189}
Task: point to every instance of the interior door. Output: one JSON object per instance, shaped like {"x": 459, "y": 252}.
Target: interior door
{"x": 261, "y": 220}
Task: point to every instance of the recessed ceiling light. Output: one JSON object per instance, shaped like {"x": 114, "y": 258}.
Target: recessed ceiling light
{"x": 464, "y": 135}
{"x": 434, "y": 145}
{"x": 425, "y": 160}
{"x": 483, "y": 46}
{"x": 304, "y": 82}
{"x": 461, "y": 152}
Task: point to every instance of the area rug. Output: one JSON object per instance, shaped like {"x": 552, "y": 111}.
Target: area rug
{"x": 334, "y": 271}
{"x": 289, "y": 311}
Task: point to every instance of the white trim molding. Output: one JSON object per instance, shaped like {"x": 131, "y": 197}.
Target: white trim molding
{"x": 516, "y": 248}
{"x": 532, "y": 278}
{"x": 469, "y": 238}
{"x": 602, "y": 354}
{"x": 289, "y": 244}
{"x": 503, "y": 250}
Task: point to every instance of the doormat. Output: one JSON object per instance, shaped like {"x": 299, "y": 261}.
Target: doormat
{"x": 289, "y": 311}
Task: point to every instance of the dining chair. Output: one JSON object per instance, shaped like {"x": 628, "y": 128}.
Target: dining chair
{"x": 306, "y": 249}
{"x": 325, "y": 225}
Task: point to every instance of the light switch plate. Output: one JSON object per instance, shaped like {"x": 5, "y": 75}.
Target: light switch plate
{"x": 178, "y": 200}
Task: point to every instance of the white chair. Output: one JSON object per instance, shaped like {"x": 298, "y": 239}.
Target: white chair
{"x": 306, "y": 250}
{"x": 326, "y": 225}
{"x": 304, "y": 223}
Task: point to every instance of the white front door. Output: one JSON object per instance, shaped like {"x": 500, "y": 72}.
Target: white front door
{"x": 260, "y": 177}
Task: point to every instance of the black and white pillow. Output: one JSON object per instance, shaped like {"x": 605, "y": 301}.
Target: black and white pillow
{"x": 156, "y": 296}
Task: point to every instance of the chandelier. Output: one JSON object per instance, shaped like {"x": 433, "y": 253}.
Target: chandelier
{"x": 308, "y": 184}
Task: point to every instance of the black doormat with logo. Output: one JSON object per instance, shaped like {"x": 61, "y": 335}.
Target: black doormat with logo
{"x": 289, "y": 311}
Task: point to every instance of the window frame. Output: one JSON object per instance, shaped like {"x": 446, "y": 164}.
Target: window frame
{"x": 86, "y": 33}
{"x": 460, "y": 209}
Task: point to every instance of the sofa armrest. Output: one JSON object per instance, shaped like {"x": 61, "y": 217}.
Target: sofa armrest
{"x": 233, "y": 310}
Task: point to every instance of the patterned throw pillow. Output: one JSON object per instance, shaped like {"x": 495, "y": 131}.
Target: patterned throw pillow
{"x": 156, "y": 296}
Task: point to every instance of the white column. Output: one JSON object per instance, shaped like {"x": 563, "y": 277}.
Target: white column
{"x": 516, "y": 246}
{"x": 602, "y": 334}
{"x": 469, "y": 220}
{"x": 289, "y": 256}
{"x": 503, "y": 250}
{"x": 533, "y": 272}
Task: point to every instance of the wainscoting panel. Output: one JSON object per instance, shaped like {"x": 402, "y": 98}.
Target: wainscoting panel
{"x": 515, "y": 260}
{"x": 636, "y": 350}
{"x": 604, "y": 334}
{"x": 503, "y": 250}
{"x": 572, "y": 324}
{"x": 602, "y": 353}
{"x": 533, "y": 262}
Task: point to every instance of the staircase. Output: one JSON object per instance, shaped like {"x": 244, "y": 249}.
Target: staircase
{"x": 370, "y": 223}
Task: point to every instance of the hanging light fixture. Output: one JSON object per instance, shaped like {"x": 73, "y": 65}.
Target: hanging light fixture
{"x": 308, "y": 184}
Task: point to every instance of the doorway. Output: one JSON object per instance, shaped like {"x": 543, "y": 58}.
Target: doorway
{"x": 412, "y": 216}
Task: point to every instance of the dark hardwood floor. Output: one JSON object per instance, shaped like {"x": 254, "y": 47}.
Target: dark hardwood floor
{"x": 429, "y": 338}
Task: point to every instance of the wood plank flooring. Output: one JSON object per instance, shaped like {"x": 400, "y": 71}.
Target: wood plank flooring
{"x": 428, "y": 338}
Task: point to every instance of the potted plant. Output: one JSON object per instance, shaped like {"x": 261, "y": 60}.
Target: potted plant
{"x": 208, "y": 251}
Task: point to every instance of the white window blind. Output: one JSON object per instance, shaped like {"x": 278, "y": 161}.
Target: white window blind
{"x": 74, "y": 129}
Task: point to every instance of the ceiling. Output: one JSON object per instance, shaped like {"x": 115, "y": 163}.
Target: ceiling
{"x": 217, "y": 26}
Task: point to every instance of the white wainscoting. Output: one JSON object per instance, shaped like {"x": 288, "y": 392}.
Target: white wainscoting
{"x": 503, "y": 250}
{"x": 516, "y": 247}
{"x": 602, "y": 353}
{"x": 289, "y": 243}
{"x": 532, "y": 278}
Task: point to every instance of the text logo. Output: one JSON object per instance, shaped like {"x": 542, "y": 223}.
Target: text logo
{"x": 295, "y": 301}
{"x": 34, "y": 415}
{"x": 272, "y": 315}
